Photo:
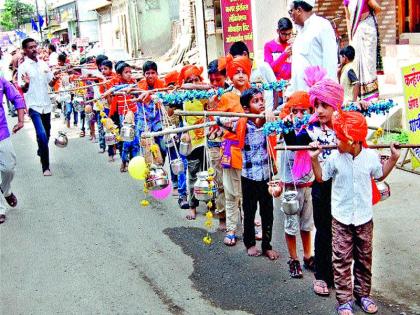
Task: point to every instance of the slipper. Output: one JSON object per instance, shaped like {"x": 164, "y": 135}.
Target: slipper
{"x": 321, "y": 288}
{"x": 191, "y": 216}
{"x": 11, "y": 200}
{"x": 82, "y": 134}
{"x": 230, "y": 239}
{"x": 346, "y": 307}
{"x": 2, "y": 218}
{"x": 364, "y": 303}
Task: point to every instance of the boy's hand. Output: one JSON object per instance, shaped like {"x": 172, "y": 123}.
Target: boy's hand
{"x": 288, "y": 118}
{"x": 395, "y": 153}
{"x": 314, "y": 153}
{"x": 269, "y": 115}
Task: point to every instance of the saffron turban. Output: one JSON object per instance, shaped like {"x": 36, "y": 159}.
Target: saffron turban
{"x": 171, "y": 77}
{"x": 350, "y": 127}
{"x": 322, "y": 88}
{"x": 297, "y": 99}
{"x": 232, "y": 64}
{"x": 188, "y": 71}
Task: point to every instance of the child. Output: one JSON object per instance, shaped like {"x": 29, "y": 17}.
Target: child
{"x": 238, "y": 70}
{"x": 351, "y": 169}
{"x": 301, "y": 223}
{"x": 255, "y": 177}
{"x": 347, "y": 76}
{"x": 326, "y": 96}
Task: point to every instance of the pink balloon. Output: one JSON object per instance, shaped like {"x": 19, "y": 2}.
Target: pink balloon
{"x": 162, "y": 193}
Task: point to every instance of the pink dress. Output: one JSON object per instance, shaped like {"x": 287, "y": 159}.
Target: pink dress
{"x": 277, "y": 58}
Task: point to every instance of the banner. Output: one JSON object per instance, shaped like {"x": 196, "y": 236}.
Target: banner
{"x": 237, "y": 23}
{"x": 411, "y": 84}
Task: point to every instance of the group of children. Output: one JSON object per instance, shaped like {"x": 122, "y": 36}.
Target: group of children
{"x": 338, "y": 202}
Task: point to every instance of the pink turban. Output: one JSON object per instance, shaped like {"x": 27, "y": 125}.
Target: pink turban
{"x": 322, "y": 88}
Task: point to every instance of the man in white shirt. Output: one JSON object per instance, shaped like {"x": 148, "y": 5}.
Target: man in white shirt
{"x": 53, "y": 59}
{"x": 314, "y": 45}
{"x": 34, "y": 76}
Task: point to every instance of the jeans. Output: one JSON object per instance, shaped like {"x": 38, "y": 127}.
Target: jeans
{"x": 42, "y": 124}
{"x": 256, "y": 192}
{"x": 321, "y": 201}
{"x": 69, "y": 109}
{"x": 101, "y": 132}
{"x": 82, "y": 119}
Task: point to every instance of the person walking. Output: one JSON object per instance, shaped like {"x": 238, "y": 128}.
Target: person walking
{"x": 7, "y": 153}
{"x": 34, "y": 76}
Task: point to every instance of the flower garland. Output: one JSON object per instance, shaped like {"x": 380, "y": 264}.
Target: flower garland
{"x": 380, "y": 107}
{"x": 178, "y": 98}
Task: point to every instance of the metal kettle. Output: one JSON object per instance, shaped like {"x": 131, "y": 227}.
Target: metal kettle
{"x": 61, "y": 141}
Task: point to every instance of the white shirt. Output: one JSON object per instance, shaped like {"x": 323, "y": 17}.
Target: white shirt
{"x": 53, "y": 59}
{"x": 351, "y": 196}
{"x": 264, "y": 74}
{"x": 40, "y": 75}
{"x": 314, "y": 45}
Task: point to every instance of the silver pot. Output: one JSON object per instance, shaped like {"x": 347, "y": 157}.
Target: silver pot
{"x": 78, "y": 104}
{"x": 384, "y": 189}
{"x": 290, "y": 204}
{"x": 185, "y": 148}
{"x": 61, "y": 141}
{"x": 169, "y": 141}
{"x": 89, "y": 116}
{"x": 204, "y": 189}
{"x": 127, "y": 132}
{"x": 157, "y": 178}
{"x": 177, "y": 166}
{"x": 110, "y": 138}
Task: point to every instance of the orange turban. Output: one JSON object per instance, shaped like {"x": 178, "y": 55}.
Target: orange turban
{"x": 232, "y": 64}
{"x": 171, "y": 77}
{"x": 188, "y": 71}
{"x": 350, "y": 127}
{"x": 297, "y": 99}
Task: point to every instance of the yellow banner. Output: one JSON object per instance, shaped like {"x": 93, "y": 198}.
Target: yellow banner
{"x": 411, "y": 84}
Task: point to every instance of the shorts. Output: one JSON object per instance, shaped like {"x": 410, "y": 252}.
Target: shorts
{"x": 304, "y": 219}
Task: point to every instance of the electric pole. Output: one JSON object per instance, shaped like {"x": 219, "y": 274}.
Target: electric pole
{"x": 37, "y": 16}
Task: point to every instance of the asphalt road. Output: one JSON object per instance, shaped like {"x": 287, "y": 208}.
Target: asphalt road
{"x": 79, "y": 242}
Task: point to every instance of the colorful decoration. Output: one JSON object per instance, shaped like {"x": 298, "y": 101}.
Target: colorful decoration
{"x": 279, "y": 126}
{"x": 144, "y": 203}
{"x": 137, "y": 168}
{"x": 381, "y": 107}
{"x": 162, "y": 194}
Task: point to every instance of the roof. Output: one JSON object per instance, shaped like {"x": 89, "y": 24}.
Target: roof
{"x": 98, "y": 4}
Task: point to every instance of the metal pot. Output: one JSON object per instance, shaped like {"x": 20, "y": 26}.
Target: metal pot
{"x": 290, "y": 204}
{"x": 204, "y": 188}
{"x": 169, "y": 141}
{"x": 185, "y": 148}
{"x": 78, "y": 104}
{"x": 110, "y": 138}
{"x": 384, "y": 189}
{"x": 127, "y": 132}
{"x": 157, "y": 178}
{"x": 61, "y": 141}
{"x": 89, "y": 116}
{"x": 177, "y": 166}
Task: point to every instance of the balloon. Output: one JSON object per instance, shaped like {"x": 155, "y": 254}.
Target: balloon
{"x": 162, "y": 193}
{"x": 137, "y": 168}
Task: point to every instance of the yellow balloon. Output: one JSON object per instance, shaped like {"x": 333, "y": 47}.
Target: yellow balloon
{"x": 137, "y": 168}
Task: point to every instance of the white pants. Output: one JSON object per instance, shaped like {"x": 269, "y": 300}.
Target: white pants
{"x": 7, "y": 169}
{"x": 233, "y": 196}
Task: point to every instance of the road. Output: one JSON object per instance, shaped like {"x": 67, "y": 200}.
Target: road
{"x": 79, "y": 242}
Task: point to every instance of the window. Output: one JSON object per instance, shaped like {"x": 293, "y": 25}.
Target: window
{"x": 152, "y": 4}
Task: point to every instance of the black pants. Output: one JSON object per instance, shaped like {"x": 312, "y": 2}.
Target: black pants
{"x": 254, "y": 192}
{"x": 321, "y": 201}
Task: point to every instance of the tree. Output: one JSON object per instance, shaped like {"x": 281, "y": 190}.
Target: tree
{"x": 14, "y": 14}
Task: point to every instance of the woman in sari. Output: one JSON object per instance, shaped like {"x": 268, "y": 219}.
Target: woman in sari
{"x": 362, "y": 28}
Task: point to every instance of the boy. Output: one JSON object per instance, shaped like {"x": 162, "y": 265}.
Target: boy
{"x": 297, "y": 106}
{"x": 255, "y": 177}
{"x": 347, "y": 76}
{"x": 351, "y": 169}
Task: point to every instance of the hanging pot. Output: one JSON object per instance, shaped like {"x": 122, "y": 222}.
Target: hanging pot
{"x": 127, "y": 132}
{"x": 185, "y": 148}
{"x": 110, "y": 138}
{"x": 157, "y": 178}
{"x": 78, "y": 104}
{"x": 177, "y": 166}
{"x": 384, "y": 190}
{"x": 89, "y": 116}
{"x": 205, "y": 189}
{"x": 290, "y": 204}
{"x": 61, "y": 141}
{"x": 169, "y": 141}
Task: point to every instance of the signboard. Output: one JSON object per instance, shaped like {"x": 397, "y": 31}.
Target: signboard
{"x": 411, "y": 84}
{"x": 237, "y": 23}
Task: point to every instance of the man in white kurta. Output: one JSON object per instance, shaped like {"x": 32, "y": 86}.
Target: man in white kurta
{"x": 314, "y": 45}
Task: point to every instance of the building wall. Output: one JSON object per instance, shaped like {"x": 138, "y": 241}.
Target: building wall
{"x": 88, "y": 21}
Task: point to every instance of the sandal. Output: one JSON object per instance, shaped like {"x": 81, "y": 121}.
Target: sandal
{"x": 191, "y": 216}
{"x": 321, "y": 287}
{"x": 11, "y": 200}
{"x": 230, "y": 239}
{"x": 345, "y": 309}
{"x": 364, "y": 303}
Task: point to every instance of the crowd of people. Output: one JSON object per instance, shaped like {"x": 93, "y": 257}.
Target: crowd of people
{"x": 334, "y": 188}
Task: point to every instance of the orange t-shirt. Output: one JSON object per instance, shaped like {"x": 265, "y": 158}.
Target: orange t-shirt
{"x": 119, "y": 101}
{"x": 230, "y": 102}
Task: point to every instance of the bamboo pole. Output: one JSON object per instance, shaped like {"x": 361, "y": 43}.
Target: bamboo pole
{"x": 334, "y": 147}
{"x": 220, "y": 114}
{"x": 177, "y": 130}
{"x": 80, "y": 88}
